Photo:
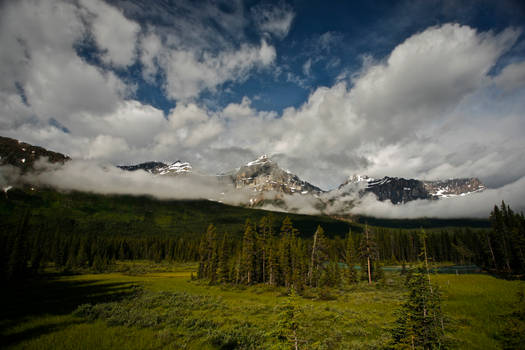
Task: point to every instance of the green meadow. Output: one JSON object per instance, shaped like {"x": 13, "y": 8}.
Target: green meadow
{"x": 158, "y": 306}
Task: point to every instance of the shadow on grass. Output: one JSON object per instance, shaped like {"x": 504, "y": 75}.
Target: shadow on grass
{"x": 50, "y": 295}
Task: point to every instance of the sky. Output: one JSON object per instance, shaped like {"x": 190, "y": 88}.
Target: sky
{"x": 415, "y": 89}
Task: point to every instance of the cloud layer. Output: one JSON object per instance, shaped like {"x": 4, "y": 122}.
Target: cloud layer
{"x": 441, "y": 104}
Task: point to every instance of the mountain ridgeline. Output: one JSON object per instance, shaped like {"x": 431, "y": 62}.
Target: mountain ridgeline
{"x": 23, "y": 155}
{"x": 400, "y": 190}
{"x": 266, "y": 181}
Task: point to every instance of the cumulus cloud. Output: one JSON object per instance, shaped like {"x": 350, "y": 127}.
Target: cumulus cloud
{"x": 432, "y": 108}
{"x": 114, "y": 34}
{"x": 41, "y": 65}
{"x": 190, "y": 72}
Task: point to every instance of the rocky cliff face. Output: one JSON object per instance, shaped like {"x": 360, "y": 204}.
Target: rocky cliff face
{"x": 263, "y": 175}
{"x": 269, "y": 182}
{"x": 398, "y": 190}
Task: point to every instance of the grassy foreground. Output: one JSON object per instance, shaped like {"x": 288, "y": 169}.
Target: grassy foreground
{"x": 164, "y": 309}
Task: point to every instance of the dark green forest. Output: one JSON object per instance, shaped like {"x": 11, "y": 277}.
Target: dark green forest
{"x": 239, "y": 245}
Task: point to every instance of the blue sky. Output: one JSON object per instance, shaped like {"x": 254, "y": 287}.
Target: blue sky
{"x": 351, "y": 31}
{"x": 423, "y": 89}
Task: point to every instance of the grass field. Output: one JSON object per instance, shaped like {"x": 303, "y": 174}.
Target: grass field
{"x": 164, "y": 309}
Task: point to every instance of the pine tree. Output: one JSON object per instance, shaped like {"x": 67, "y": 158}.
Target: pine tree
{"x": 287, "y": 238}
{"x": 248, "y": 256}
{"x": 367, "y": 253}
{"x": 420, "y": 321}
{"x": 350, "y": 259}
{"x": 264, "y": 236}
{"x": 17, "y": 264}
{"x": 224, "y": 257}
{"x": 289, "y": 326}
{"x": 208, "y": 262}
{"x": 318, "y": 256}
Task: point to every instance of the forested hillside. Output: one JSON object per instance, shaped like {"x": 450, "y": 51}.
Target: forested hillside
{"x": 81, "y": 230}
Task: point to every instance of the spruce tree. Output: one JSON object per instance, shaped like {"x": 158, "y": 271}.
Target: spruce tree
{"x": 224, "y": 257}
{"x": 350, "y": 259}
{"x": 18, "y": 254}
{"x": 420, "y": 321}
{"x": 287, "y": 238}
{"x": 289, "y": 326}
{"x": 367, "y": 253}
{"x": 264, "y": 236}
{"x": 318, "y": 256}
{"x": 248, "y": 256}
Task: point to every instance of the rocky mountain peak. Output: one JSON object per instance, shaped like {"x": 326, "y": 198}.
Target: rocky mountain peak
{"x": 159, "y": 168}
{"x": 264, "y": 175}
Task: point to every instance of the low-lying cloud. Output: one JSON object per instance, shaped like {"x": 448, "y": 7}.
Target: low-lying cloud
{"x": 476, "y": 205}
{"x": 90, "y": 176}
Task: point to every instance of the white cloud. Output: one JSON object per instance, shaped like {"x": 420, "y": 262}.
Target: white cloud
{"x": 429, "y": 109}
{"x": 475, "y": 205}
{"x": 511, "y": 77}
{"x": 307, "y": 67}
{"x": 106, "y": 146}
{"x": 190, "y": 72}
{"x": 114, "y": 34}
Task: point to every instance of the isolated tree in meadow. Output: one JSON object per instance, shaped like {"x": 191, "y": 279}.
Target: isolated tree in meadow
{"x": 289, "y": 326}
{"x": 420, "y": 322}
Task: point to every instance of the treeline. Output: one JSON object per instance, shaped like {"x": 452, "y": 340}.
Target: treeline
{"x": 265, "y": 254}
{"x": 28, "y": 248}
{"x": 278, "y": 259}
{"x": 505, "y": 243}
{"x": 284, "y": 259}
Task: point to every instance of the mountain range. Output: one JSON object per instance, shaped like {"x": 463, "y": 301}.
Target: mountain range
{"x": 266, "y": 182}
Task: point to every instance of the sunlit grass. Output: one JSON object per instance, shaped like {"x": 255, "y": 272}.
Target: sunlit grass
{"x": 359, "y": 317}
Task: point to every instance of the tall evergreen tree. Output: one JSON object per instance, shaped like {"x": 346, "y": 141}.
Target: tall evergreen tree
{"x": 248, "y": 256}
{"x": 368, "y": 253}
{"x": 350, "y": 259}
{"x": 224, "y": 259}
{"x": 420, "y": 321}
{"x": 318, "y": 256}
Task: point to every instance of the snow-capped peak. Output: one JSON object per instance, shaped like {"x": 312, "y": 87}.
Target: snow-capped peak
{"x": 261, "y": 160}
{"x": 360, "y": 178}
{"x": 177, "y": 167}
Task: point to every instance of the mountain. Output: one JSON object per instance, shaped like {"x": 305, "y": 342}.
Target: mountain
{"x": 264, "y": 175}
{"x": 454, "y": 187}
{"x": 159, "y": 168}
{"x": 400, "y": 190}
{"x": 23, "y": 155}
{"x": 266, "y": 182}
